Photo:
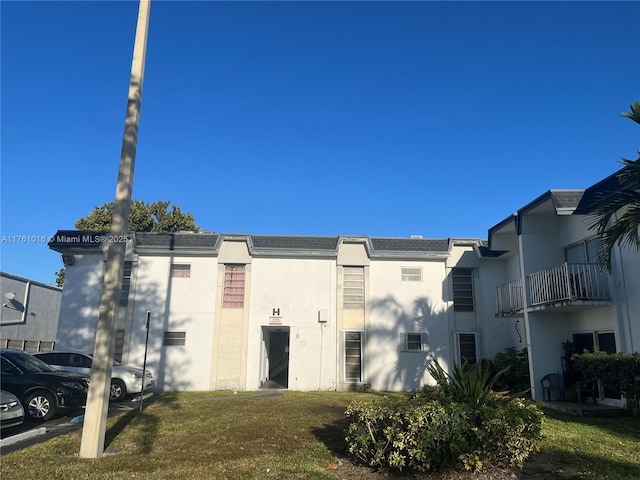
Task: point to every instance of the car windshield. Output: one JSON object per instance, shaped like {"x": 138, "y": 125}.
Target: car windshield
{"x": 32, "y": 364}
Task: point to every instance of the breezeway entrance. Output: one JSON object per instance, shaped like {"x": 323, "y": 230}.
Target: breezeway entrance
{"x": 275, "y": 361}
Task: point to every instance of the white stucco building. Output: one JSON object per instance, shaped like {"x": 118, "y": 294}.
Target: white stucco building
{"x": 231, "y": 311}
{"x": 311, "y": 313}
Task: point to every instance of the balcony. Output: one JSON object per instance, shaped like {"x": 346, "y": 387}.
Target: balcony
{"x": 567, "y": 286}
{"x": 510, "y": 299}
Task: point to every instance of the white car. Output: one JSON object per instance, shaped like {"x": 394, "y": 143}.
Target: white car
{"x": 11, "y": 411}
{"x": 125, "y": 379}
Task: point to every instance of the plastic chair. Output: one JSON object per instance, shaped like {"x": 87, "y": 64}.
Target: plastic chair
{"x": 551, "y": 382}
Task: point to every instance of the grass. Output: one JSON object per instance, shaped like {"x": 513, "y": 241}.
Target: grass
{"x": 297, "y": 436}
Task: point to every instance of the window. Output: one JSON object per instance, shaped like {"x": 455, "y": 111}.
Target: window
{"x": 119, "y": 350}
{"x": 411, "y": 274}
{"x": 353, "y": 288}
{"x": 467, "y": 348}
{"x": 353, "y": 357}
{"x": 233, "y": 296}
{"x": 174, "y": 339}
{"x": 588, "y": 251}
{"x": 414, "y": 342}
{"x": 592, "y": 341}
{"x": 126, "y": 284}
{"x": 180, "y": 270}
{"x": 78, "y": 360}
{"x": 462, "y": 289}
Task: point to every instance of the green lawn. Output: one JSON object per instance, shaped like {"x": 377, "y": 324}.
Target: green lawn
{"x": 297, "y": 436}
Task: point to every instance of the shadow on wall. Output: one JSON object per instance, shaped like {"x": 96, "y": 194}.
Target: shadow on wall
{"x": 78, "y": 330}
{"x": 169, "y": 339}
{"x": 409, "y": 372}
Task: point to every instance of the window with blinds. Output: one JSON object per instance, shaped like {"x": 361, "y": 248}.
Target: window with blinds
{"x": 233, "y": 295}
{"x": 467, "y": 348}
{"x": 352, "y": 357}
{"x": 126, "y": 284}
{"x": 411, "y": 274}
{"x": 353, "y": 288}
{"x": 174, "y": 339}
{"x": 413, "y": 342}
{"x": 462, "y": 289}
{"x": 180, "y": 270}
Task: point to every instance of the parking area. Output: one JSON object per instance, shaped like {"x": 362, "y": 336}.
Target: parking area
{"x": 30, "y": 433}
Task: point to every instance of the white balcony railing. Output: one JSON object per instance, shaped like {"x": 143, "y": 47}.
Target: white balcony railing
{"x": 569, "y": 281}
{"x": 566, "y": 282}
{"x": 509, "y": 297}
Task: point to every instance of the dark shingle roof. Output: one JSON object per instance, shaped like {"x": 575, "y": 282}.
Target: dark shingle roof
{"x": 176, "y": 240}
{"x": 410, "y": 244}
{"x": 295, "y": 243}
{"x": 209, "y": 242}
{"x": 597, "y": 192}
{"x": 567, "y": 198}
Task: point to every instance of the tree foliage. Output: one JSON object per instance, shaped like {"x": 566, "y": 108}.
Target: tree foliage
{"x": 616, "y": 214}
{"x": 160, "y": 216}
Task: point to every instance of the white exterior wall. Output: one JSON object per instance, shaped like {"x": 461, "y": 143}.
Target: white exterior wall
{"x": 398, "y": 307}
{"x": 80, "y": 303}
{"x": 497, "y": 333}
{"x": 625, "y": 293}
{"x": 299, "y": 289}
{"x": 176, "y": 304}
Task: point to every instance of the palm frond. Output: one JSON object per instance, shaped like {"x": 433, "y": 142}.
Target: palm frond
{"x": 634, "y": 114}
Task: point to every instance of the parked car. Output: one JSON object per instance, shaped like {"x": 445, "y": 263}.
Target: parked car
{"x": 125, "y": 379}
{"x": 42, "y": 390}
{"x": 11, "y": 411}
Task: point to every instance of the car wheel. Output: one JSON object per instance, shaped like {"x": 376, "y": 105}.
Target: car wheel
{"x": 40, "y": 406}
{"x": 118, "y": 390}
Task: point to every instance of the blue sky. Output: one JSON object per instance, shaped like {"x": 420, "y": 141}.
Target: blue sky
{"x": 311, "y": 118}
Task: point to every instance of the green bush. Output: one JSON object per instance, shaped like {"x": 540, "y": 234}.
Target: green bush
{"x": 468, "y": 384}
{"x": 618, "y": 371}
{"x": 516, "y": 378}
{"x": 426, "y": 434}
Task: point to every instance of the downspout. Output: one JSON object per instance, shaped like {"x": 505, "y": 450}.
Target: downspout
{"x": 525, "y": 301}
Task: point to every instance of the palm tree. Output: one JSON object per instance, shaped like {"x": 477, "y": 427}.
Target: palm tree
{"x": 616, "y": 213}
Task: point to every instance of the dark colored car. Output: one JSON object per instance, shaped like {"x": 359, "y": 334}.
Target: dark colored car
{"x": 43, "y": 390}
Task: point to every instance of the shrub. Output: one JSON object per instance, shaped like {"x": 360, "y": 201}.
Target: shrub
{"x": 467, "y": 384}
{"x": 516, "y": 378}
{"x": 618, "y": 371}
{"x": 426, "y": 435}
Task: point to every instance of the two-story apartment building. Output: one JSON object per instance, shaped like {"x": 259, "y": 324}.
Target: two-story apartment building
{"x": 557, "y": 287}
{"x": 306, "y": 313}
{"x": 241, "y": 312}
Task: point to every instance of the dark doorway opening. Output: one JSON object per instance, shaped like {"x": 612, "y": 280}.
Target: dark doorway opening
{"x": 277, "y": 350}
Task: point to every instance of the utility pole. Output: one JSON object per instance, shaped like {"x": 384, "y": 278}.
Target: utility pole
{"x": 95, "y": 420}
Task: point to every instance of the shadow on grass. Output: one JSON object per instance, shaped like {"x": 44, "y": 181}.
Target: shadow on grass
{"x": 146, "y": 423}
{"x": 332, "y": 434}
{"x": 575, "y": 465}
{"x": 618, "y": 425}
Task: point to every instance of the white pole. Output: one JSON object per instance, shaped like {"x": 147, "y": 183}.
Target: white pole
{"x": 95, "y": 421}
